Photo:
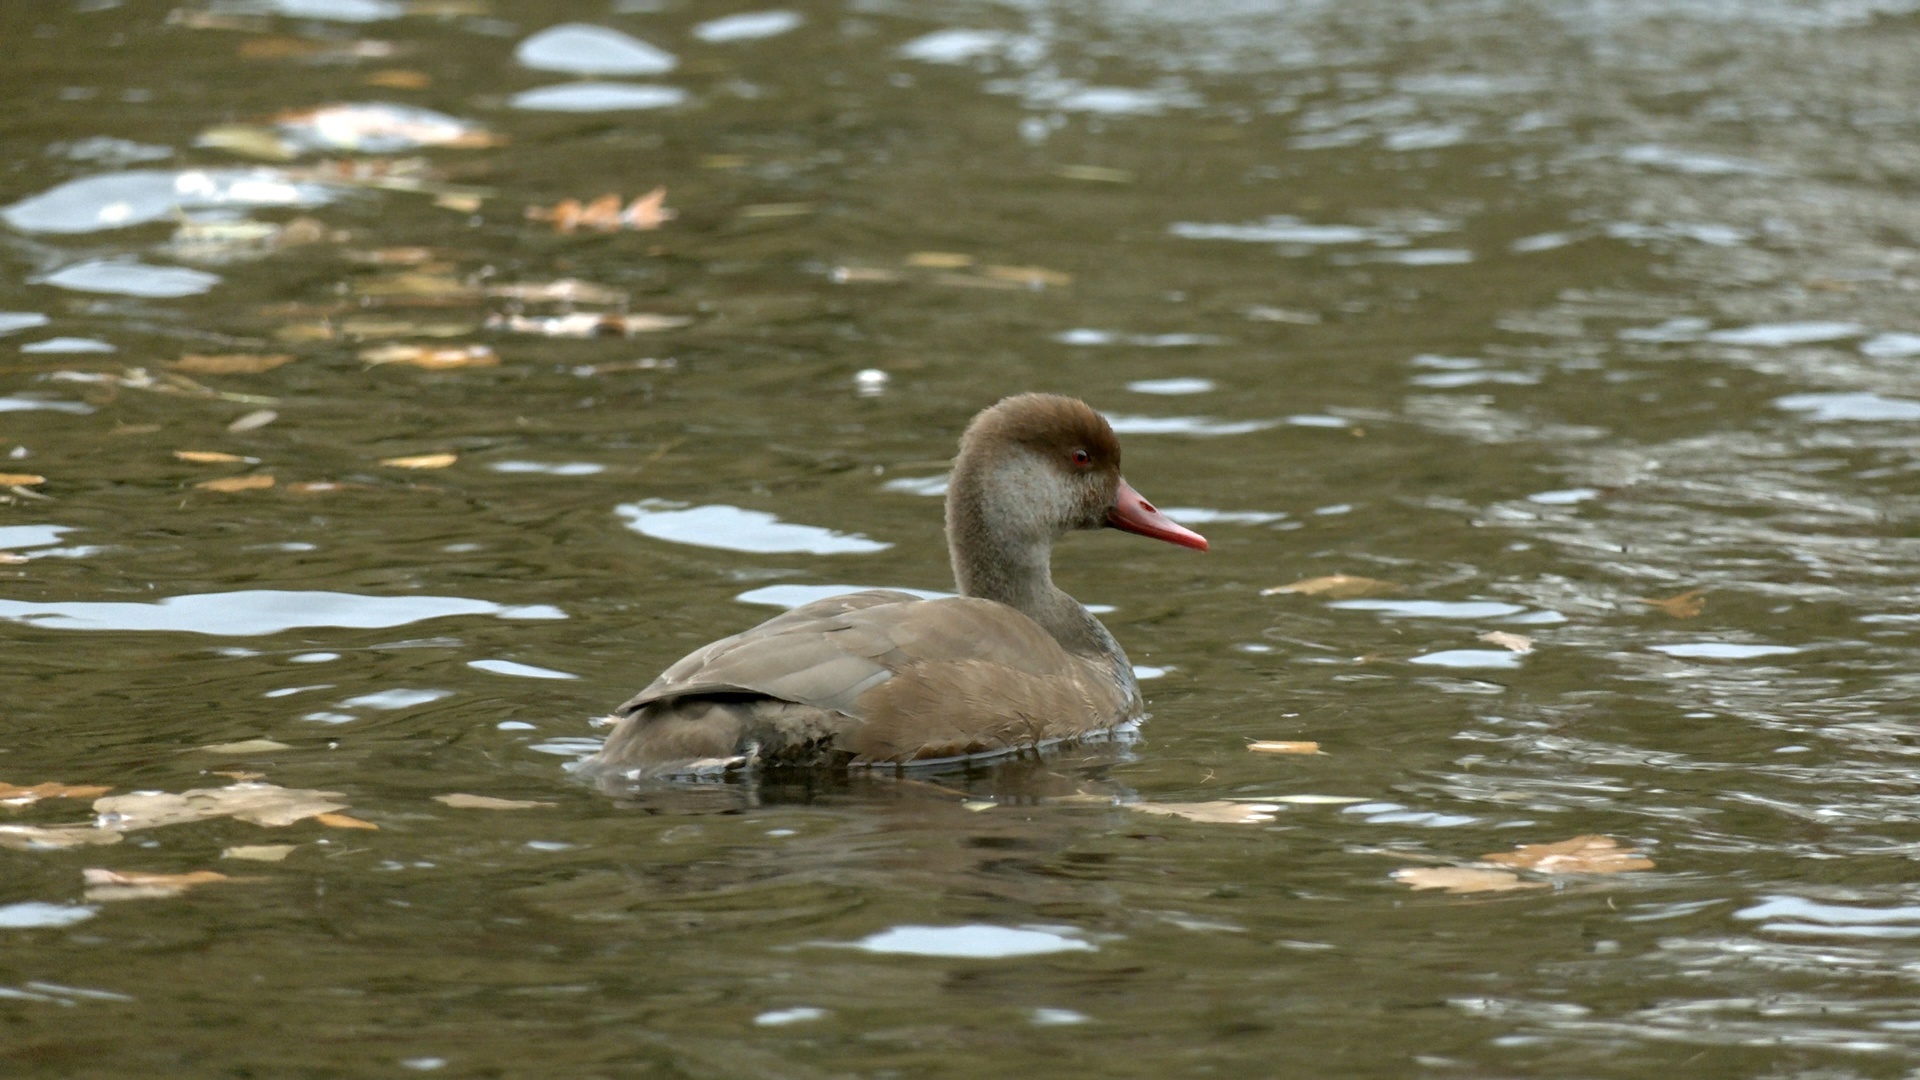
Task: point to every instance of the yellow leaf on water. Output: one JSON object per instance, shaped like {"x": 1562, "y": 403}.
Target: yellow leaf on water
{"x": 17, "y": 795}
{"x": 136, "y": 885}
{"x": 342, "y": 821}
{"x": 1275, "y": 746}
{"x": 1684, "y": 606}
{"x": 432, "y": 358}
{"x": 1219, "y": 812}
{"x": 940, "y": 260}
{"x": 1460, "y": 879}
{"x": 1519, "y": 643}
{"x": 421, "y": 461}
{"x": 487, "y": 802}
{"x": 231, "y": 364}
{"x": 259, "y": 852}
{"x": 258, "y": 482}
{"x": 20, "y": 479}
{"x": 209, "y": 457}
{"x": 1335, "y": 587}
{"x": 246, "y": 746}
{"x": 1590, "y": 854}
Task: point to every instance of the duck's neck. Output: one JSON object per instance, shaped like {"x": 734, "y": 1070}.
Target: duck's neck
{"x": 1000, "y": 553}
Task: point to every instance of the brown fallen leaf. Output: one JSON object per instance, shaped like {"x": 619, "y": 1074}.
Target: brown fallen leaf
{"x": 253, "y": 421}
{"x": 392, "y": 256}
{"x": 487, "y": 802}
{"x": 1684, "y": 606}
{"x": 587, "y": 324}
{"x": 1460, "y": 879}
{"x": 54, "y": 837}
{"x": 605, "y": 213}
{"x": 231, "y": 364}
{"x": 246, "y": 746}
{"x": 1219, "y": 812}
{"x": 259, "y": 852}
{"x": 458, "y": 201}
{"x": 258, "y": 804}
{"x": 1335, "y": 587}
{"x": 421, "y": 461}
{"x": 343, "y": 821}
{"x": 20, "y": 479}
{"x": 1519, "y": 643}
{"x": 256, "y": 482}
{"x": 1275, "y": 746}
{"x": 434, "y": 359}
{"x": 16, "y": 795}
{"x": 105, "y": 884}
{"x": 1591, "y": 854}
{"x": 940, "y": 260}
{"x": 210, "y": 457}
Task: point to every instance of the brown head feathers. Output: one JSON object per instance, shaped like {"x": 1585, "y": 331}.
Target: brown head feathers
{"x": 1050, "y": 425}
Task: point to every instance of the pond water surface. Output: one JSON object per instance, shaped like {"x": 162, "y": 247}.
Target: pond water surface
{"x": 1534, "y": 312}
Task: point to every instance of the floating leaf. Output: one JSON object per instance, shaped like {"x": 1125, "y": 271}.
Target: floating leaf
{"x": 763, "y": 211}
{"x": 421, "y": 461}
{"x": 563, "y": 291}
{"x": 862, "y": 275}
{"x": 260, "y": 804}
{"x": 1033, "y": 277}
{"x": 436, "y": 359}
{"x": 1591, "y": 854}
{"x": 16, "y": 795}
{"x": 137, "y": 885}
{"x": 20, "y": 479}
{"x": 462, "y": 202}
{"x": 398, "y": 79}
{"x": 1220, "y": 812}
{"x": 231, "y": 364}
{"x": 228, "y": 484}
{"x": 253, "y": 421}
{"x": 246, "y": 746}
{"x": 416, "y": 284}
{"x": 586, "y": 324}
{"x": 1460, "y": 879}
{"x": 239, "y": 774}
{"x": 605, "y": 213}
{"x": 940, "y": 260}
{"x": 259, "y": 852}
{"x": 1519, "y": 643}
{"x": 343, "y": 821}
{"x": 54, "y": 837}
{"x": 249, "y": 141}
{"x": 1274, "y": 746}
{"x": 211, "y": 457}
{"x": 1335, "y": 587}
{"x": 487, "y": 802}
{"x": 1099, "y": 174}
{"x": 386, "y": 327}
{"x": 1684, "y": 606}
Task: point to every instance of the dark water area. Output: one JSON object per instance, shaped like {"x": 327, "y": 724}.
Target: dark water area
{"x": 1535, "y": 312}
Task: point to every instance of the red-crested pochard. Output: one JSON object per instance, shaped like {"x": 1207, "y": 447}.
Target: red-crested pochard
{"x": 887, "y": 677}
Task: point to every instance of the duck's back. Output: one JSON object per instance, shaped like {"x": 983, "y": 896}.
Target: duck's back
{"x": 867, "y": 677}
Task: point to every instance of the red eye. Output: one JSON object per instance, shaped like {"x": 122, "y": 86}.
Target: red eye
{"x": 1082, "y": 458}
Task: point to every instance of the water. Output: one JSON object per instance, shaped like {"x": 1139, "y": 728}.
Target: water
{"x": 1536, "y": 312}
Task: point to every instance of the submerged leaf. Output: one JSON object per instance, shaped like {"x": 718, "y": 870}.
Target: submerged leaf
{"x": 54, "y": 837}
{"x": 605, "y": 213}
{"x": 587, "y": 324}
{"x": 246, "y": 746}
{"x": 1336, "y": 587}
{"x": 259, "y": 852}
{"x": 1219, "y": 812}
{"x": 940, "y": 260}
{"x": 258, "y": 482}
{"x": 20, "y": 479}
{"x": 1591, "y": 854}
{"x": 210, "y": 457}
{"x": 253, "y": 421}
{"x": 1460, "y": 879}
{"x": 1276, "y": 746}
{"x": 1033, "y": 277}
{"x": 343, "y": 821}
{"x": 1684, "y": 606}
{"x": 436, "y": 359}
{"x": 487, "y": 802}
{"x": 563, "y": 291}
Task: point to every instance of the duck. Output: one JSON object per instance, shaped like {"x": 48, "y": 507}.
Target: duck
{"x": 883, "y": 677}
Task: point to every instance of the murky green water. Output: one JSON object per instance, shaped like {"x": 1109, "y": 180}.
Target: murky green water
{"x": 1538, "y": 311}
